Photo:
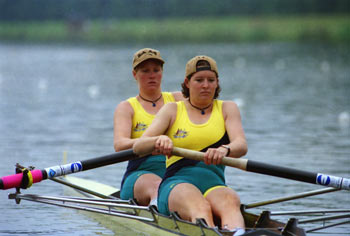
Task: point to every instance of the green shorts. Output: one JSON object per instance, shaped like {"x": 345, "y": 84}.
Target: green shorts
{"x": 153, "y": 165}
{"x": 204, "y": 177}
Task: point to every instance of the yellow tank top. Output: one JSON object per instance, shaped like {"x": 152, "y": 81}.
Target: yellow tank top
{"x": 186, "y": 134}
{"x": 142, "y": 119}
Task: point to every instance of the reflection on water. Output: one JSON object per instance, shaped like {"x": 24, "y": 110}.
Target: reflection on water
{"x": 294, "y": 101}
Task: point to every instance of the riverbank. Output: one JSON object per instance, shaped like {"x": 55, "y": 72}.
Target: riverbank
{"x": 321, "y": 28}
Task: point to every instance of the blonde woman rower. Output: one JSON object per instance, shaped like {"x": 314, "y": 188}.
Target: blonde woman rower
{"x": 131, "y": 119}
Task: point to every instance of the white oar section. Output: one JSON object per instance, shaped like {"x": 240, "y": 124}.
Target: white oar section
{"x": 146, "y": 146}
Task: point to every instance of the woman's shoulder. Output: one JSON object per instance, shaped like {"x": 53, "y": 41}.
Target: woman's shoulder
{"x": 178, "y": 96}
{"x": 168, "y": 112}
{"x": 230, "y": 107}
{"x": 169, "y": 108}
{"x": 124, "y": 106}
{"x": 228, "y": 103}
{"x": 170, "y": 105}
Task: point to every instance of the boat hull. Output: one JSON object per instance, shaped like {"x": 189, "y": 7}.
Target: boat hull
{"x": 159, "y": 224}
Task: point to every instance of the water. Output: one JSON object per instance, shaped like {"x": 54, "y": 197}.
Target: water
{"x": 294, "y": 100}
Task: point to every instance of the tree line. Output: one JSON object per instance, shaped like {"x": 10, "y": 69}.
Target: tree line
{"x": 39, "y": 10}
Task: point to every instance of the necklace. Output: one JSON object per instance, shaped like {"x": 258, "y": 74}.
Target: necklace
{"x": 153, "y": 102}
{"x": 198, "y": 108}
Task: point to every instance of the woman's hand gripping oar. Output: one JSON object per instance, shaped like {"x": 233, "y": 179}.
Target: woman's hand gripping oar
{"x": 145, "y": 146}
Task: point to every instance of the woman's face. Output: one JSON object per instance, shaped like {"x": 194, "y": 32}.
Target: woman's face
{"x": 202, "y": 85}
{"x": 149, "y": 74}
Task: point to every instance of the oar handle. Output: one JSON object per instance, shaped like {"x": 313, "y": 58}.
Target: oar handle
{"x": 15, "y": 180}
{"x": 145, "y": 146}
{"x": 199, "y": 156}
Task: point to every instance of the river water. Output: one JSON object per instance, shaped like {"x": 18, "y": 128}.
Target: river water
{"x": 294, "y": 101}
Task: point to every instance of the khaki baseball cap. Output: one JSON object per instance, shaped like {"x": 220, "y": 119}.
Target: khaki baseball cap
{"x": 193, "y": 65}
{"x": 146, "y": 54}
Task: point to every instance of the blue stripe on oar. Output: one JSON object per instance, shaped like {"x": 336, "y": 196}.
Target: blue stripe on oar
{"x": 333, "y": 181}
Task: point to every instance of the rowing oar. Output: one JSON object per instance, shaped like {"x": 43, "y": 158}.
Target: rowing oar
{"x": 145, "y": 148}
{"x": 34, "y": 176}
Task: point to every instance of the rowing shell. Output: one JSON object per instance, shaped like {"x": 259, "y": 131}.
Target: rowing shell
{"x": 148, "y": 221}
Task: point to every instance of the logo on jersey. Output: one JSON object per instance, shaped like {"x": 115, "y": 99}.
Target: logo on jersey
{"x": 140, "y": 127}
{"x": 180, "y": 134}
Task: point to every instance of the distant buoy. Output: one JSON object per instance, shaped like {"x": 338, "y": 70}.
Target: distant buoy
{"x": 239, "y": 102}
{"x": 93, "y": 91}
{"x": 42, "y": 85}
{"x": 344, "y": 119}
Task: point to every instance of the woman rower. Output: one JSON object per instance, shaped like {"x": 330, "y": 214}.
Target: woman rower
{"x": 195, "y": 189}
{"x": 132, "y": 117}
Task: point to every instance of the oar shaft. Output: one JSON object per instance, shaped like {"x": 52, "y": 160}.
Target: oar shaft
{"x": 280, "y": 171}
{"x": 299, "y": 175}
{"x": 13, "y": 181}
{"x": 114, "y": 158}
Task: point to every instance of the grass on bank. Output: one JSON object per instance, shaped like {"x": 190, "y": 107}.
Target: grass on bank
{"x": 326, "y": 28}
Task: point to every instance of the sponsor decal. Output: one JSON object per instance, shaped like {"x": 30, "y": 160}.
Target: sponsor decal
{"x": 346, "y": 184}
{"x": 333, "y": 181}
{"x": 323, "y": 179}
{"x": 76, "y": 167}
{"x": 51, "y": 173}
{"x": 140, "y": 127}
{"x": 55, "y": 171}
{"x": 180, "y": 133}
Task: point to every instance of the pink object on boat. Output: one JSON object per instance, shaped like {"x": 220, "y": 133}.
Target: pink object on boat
{"x": 13, "y": 181}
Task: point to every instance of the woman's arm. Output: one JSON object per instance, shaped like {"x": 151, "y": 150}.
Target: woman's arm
{"x": 238, "y": 145}
{"x": 162, "y": 121}
{"x": 154, "y": 136}
{"x": 122, "y": 126}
